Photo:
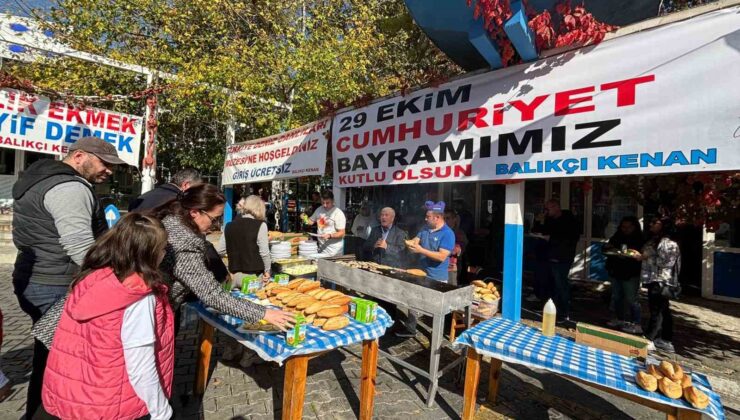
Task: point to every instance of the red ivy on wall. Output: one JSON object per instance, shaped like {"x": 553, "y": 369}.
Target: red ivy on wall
{"x": 576, "y": 26}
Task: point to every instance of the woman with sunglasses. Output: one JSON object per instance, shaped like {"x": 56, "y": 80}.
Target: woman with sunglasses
{"x": 187, "y": 219}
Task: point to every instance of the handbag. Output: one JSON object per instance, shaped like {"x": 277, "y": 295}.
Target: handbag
{"x": 44, "y": 329}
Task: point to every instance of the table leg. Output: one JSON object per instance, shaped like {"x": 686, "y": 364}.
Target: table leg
{"x": 367, "y": 381}
{"x": 472, "y": 376}
{"x": 494, "y": 374}
{"x": 436, "y": 352}
{"x": 682, "y": 414}
{"x": 295, "y": 387}
{"x": 204, "y": 357}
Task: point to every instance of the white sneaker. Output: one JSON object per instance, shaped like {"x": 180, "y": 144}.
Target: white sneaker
{"x": 632, "y": 328}
{"x": 615, "y": 323}
{"x": 651, "y": 346}
{"x": 532, "y": 298}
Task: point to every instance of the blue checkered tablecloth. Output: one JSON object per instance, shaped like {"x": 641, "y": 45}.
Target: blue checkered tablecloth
{"x": 272, "y": 347}
{"x": 513, "y": 342}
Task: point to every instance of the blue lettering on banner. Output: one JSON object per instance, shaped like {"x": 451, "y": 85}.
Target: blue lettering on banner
{"x": 261, "y": 172}
{"x": 657, "y": 159}
{"x": 54, "y": 131}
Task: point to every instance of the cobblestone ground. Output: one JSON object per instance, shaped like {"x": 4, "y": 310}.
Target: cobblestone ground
{"x": 332, "y": 390}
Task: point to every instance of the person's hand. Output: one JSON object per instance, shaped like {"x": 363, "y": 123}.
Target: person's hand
{"x": 381, "y": 244}
{"x": 266, "y": 277}
{"x": 415, "y": 247}
{"x": 281, "y": 319}
{"x": 325, "y": 236}
{"x": 635, "y": 254}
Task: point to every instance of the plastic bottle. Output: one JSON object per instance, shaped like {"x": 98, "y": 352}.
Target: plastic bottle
{"x": 548, "y": 319}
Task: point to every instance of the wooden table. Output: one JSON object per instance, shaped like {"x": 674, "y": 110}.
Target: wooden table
{"x": 472, "y": 377}
{"x": 295, "y": 375}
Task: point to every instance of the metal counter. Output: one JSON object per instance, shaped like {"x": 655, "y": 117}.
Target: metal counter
{"x": 429, "y": 297}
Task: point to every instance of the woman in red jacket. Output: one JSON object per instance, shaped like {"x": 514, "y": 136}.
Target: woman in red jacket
{"x": 112, "y": 353}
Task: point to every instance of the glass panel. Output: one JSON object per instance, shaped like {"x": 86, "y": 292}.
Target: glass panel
{"x": 610, "y": 205}
{"x": 7, "y": 161}
{"x": 577, "y": 201}
{"x": 32, "y": 157}
{"x": 534, "y": 201}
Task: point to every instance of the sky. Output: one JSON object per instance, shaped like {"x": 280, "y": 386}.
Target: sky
{"x": 19, "y": 7}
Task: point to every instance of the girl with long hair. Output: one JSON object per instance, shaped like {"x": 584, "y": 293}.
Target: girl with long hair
{"x": 187, "y": 220}
{"x": 112, "y": 353}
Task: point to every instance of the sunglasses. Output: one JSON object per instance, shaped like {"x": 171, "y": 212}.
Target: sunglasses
{"x": 215, "y": 221}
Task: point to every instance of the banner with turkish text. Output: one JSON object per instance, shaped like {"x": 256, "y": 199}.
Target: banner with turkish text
{"x": 659, "y": 101}
{"x": 295, "y": 153}
{"x": 38, "y": 124}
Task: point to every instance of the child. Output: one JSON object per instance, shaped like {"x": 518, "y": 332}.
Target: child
{"x": 112, "y": 353}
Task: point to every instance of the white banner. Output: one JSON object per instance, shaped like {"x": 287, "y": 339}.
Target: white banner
{"x": 659, "y": 101}
{"x": 37, "y": 124}
{"x": 295, "y": 153}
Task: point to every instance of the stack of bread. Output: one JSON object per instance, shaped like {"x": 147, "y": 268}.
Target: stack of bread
{"x": 323, "y": 308}
{"x": 485, "y": 292}
{"x": 670, "y": 379}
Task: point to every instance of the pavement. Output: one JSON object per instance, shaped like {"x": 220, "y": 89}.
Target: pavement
{"x": 332, "y": 389}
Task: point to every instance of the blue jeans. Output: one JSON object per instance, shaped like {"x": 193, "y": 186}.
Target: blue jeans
{"x": 35, "y": 300}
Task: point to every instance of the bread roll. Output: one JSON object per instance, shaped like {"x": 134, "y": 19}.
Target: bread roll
{"x": 295, "y": 299}
{"x": 315, "y": 292}
{"x": 308, "y": 286}
{"x": 479, "y": 283}
{"x": 670, "y": 388}
{"x": 653, "y": 370}
{"x": 686, "y": 381}
{"x": 335, "y": 323}
{"x": 489, "y": 298}
{"x": 271, "y": 285}
{"x": 305, "y": 303}
{"x": 277, "y": 290}
{"x": 491, "y": 286}
{"x": 330, "y": 311}
{"x": 340, "y": 300}
{"x": 310, "y": 318}
{"x": 485, "y": 291}
{"x": 321, "y": 294}
{"x": 416, "y": 272}
{"x": 315, "y": 307}
{"x": 646, "y": 381}
{"x": 283, "y": 294}
{"x": 671, "y": 370}
{"x": 275, "y": 301}
{"x": 319, "y": 322}
{"x": 331, "y": 294}
{"x": 696, "y": 398}
{"x": 295, "y": 283}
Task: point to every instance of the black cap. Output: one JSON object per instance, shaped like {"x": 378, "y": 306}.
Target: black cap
{"x": 100, "y": 148}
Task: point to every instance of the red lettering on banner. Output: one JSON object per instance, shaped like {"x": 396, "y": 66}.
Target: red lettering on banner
{"x": 464, "y": 118}
{"x": 415, "y": 130}
{"x": 453, "y": 171}
{"x": 626, "y": 89}
{"x": 498, "y": 114}
{"x": 564, "y": 100}
{"x": 446, "y": 125}
{"x": 95, "y": 118}
{"x": 527, "y": 109}
{"x": 383, "y": 136}
{"x": 73, "y": 113}
{"x": 56, "y": 111}
{"x": 114, "y": 122}
{"x": 128, "y": 125}
{"x": 341, "y": 144}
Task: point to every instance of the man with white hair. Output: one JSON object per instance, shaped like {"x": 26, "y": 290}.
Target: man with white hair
{"x": 385, "y": 244}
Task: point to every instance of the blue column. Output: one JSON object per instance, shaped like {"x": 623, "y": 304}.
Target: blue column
{"x": 228, "y": 209}
{"x": 513, "y": 251}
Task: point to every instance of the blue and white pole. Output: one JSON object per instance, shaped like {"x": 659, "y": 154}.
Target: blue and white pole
{"x": 513, "y": 251}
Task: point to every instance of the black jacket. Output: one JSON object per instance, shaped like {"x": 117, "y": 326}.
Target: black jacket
{"x": 624, "y": 268}
{"x": 564, "y": 234}
{"x": 155, "y": 198}
{"x": 395, "y": 254}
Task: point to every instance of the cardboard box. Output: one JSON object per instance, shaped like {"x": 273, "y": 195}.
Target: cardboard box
{"x": 612, "y": 341}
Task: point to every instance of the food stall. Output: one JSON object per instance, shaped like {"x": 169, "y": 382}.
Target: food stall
{"x": 631, "y": 113}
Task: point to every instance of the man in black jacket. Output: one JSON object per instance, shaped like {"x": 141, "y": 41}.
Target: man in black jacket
{"x": 386, "y": 245}
{"x": 181, "y": 181}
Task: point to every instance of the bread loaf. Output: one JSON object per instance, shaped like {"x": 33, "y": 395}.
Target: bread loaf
{"x": 671, "y": 370}
{"x": 670, "y": 388}
{"x": 295, "y": 299}
{"x": 310, "y": 318}
{"x": 319, "y": 322}
{"x": 686, "y": 381}
{"x": 294, "y": 284}
{"x": 416, "y": 272}
{"x": 479, "y": 283}
{"x": 285, "y": 293}
{"x": 489, "y": 298}
{"x": 331, "y": 294}
{"x": 335, "y": 323}
{"x": 277, "y": 290}
{"x": 305, "y": 303}
{"x": 315, "y": 292}
{"x": 340, "y": 300}
{"x": 653, "y": 370}
{"x": 275, "y": 301}
{"x": 491, "y": 286}
{"x": 330, "y": 311}
{"x": 321, "y": 294}
{"x": 696, "y": 398}
{"x": 646, "y": 381}
{"x": 315, "y": 307}
{"x": 308, "y": 286}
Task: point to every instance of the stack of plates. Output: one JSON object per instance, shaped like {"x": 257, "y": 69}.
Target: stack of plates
{"x": 280, "y": 250}
{"x": 308, "y": 249}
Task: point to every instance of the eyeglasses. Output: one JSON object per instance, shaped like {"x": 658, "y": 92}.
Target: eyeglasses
{"x": 215, "y": 221}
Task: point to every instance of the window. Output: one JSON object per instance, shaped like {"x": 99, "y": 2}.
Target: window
{"x": 611, "y": 203}
{"x": 7, "y": 161}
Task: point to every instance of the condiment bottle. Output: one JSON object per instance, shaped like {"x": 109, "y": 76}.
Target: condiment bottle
{"x": 548, "y": 319}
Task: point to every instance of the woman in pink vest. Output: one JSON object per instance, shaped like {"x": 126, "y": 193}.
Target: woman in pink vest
{"x": 112, "y": 354}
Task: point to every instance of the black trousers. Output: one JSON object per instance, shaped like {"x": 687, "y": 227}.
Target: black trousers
{"x": 661, "y": 319}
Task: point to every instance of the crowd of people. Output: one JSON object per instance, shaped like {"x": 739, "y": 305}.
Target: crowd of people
{"x": 106, "y": 303}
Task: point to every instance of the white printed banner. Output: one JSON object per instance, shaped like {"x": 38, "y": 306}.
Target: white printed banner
{"x": 37, "y": 124}
{"x": 659, "y": 101}
{"x": 295, "y": 153}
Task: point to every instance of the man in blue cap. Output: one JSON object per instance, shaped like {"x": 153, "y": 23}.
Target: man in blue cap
{"x": 433, "y": 244}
